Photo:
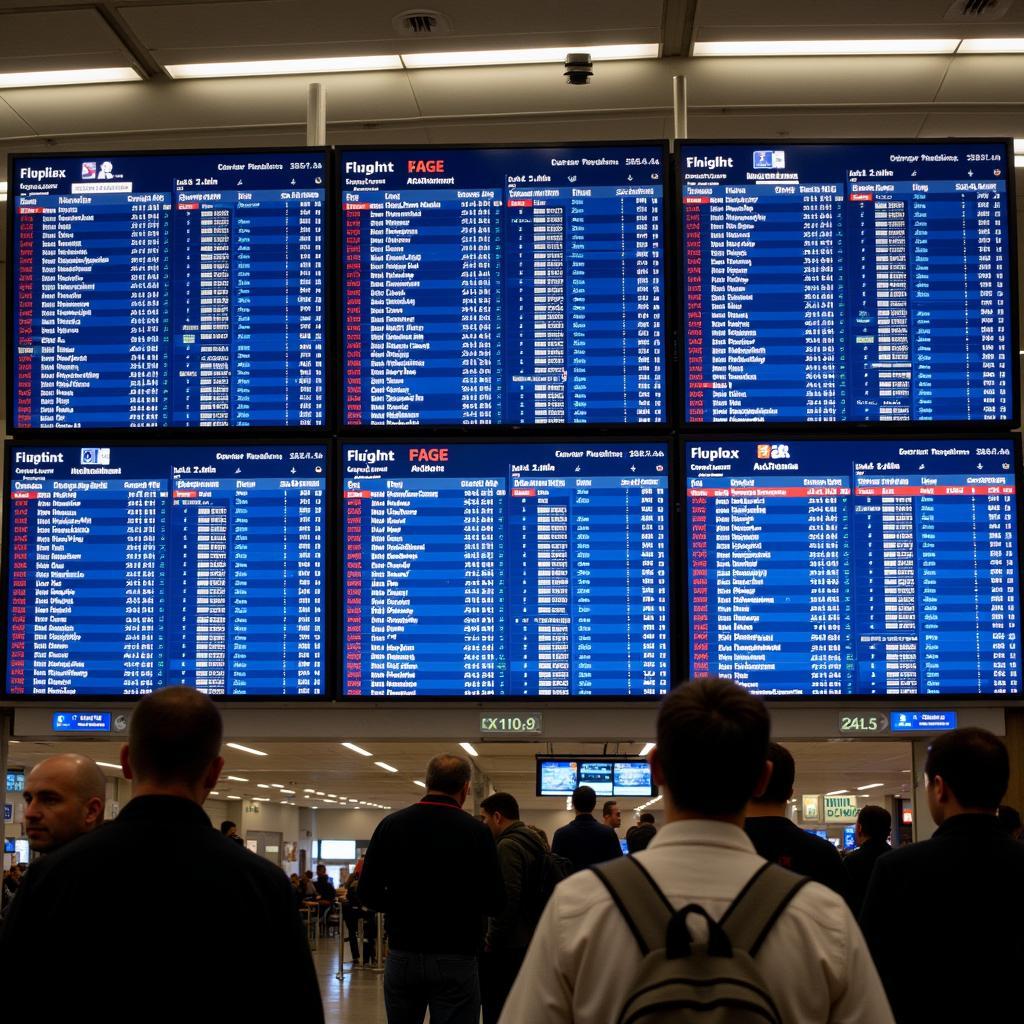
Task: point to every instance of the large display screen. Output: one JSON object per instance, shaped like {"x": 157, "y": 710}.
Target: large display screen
{"x": 848, "y": 282}
{"x": 503, "y": 285}
{"x": 606, "y": 776}
{"x": 869, "y": 567}
{"x": 135, "y": 567}
{"x": 478, "y": 570}
{"x": 168, "y": 290}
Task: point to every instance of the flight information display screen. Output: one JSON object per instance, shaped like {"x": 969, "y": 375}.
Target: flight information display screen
{"x": 606, "y": 776}
{"x": 169, "y": 290}
{"x": 130, "y": 568}
{"x": 504, "y": 285}
{"x": 477, "y": 570}
{"x": 871, "y": 567}
{"x": 848, "y": 282}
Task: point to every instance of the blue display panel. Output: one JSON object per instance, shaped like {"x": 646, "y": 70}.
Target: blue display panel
{"x": 169, "y": 290}
{"x": 922, "y": 721}
{"x": 850, "y": 837}
{"x": 871, "y": 567}
{"x": 131, "y": 568}
{"x": 503, "y": 285}
{"x": 605, "y": 775}
{"x": 848, "y": 282}
{"x": 475, "y": 570}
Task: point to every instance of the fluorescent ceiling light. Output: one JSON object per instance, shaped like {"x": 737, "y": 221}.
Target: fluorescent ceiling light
{"x": 107, "y": 764}
{"x": 290, "y": 792}
{"x": 214, "y": 792}
{"x": 820, "y": 47}
{"x": 262, "y": 785}
{"x": 870, "y": 785}
{"x": 422, "y": 785}
{"x": 835, "y": 792}
{"x": 534, "y": 55}
{"x": 246, "y": 750}
{"x": 3, "y": 199}
{"x": 230, "y": 797}
{"x": 358, "y": 750}
{"x": 648, "y": 747}
{"x": 309, "y": 791}
{"x": 276, "y": 785}
{"x": 237, "y": 778}
{"x": 1008, "y": 44}
{"x": 262, "y": 799}
{"x": 77, "y": 76}
{"x": 319, "y": 793}
{"x": 1018, "y": 161}
{"x": 469, "y": 749}
{"x": 303, "y": 66}
{"x": 387, "y": 767}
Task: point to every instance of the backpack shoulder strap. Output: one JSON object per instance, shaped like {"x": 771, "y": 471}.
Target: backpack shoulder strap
{"x": 760, "y": 903}
{"x": 642, "y": 904}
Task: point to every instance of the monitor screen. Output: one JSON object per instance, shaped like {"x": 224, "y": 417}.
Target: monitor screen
{"x": 860, "y": 282}
{"x": 134, "y": 567}
{"x": 509, "y": 570}
{"x": 503, "y": 285}
{"x": 15, "y": 781}
{"x": 168, "y": 290}
{"x": 336, "y": 849}
{"x": 850, "y": 837}
{"x": 606, "y": 776}
{"x": 867, "y": 567}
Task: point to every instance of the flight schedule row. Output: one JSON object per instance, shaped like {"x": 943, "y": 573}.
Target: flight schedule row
{"x": 863, "y": 568}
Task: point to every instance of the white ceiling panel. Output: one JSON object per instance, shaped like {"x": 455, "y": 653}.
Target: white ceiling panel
{"x": 58, "y": 39}
{"x": 803, "y": 125}
{"x": 984, "y": 79}
{"x": 555, "y": 130}
{"x": 11, "y": 126}
{"x": 975, "y": 124}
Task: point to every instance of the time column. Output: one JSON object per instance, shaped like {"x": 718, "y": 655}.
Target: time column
{"x": 27, "y": 251}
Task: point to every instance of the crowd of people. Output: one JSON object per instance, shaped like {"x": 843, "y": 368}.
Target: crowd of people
{"x": 729, "y": 903}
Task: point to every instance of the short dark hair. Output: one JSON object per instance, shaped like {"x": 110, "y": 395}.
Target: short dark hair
{"x": 448, "y": 773}
{"x": 1009, "y": 818}
{"x": 226, "y": 827}
{"x": 712, "y": 745}
{"x": 780, "y": 785}
{"x": 875, "y": 822}
{"x": 639, "y": 837}
{"x": 974, "y": 764}
{"x": 606, "y": 809}
{"x": 174, "y": 735}
{"x": 646, "y": 818}
{"x": 584, "y": 799}
{"x": 504, "y": 804}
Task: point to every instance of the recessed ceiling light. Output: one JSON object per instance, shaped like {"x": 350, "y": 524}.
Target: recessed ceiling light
{"x": 290, "y": 792}
{"x": 247, "y": 750}
{"x": 648, "y": 747}
{"x": 387, "y": 767}
{"x": 309, "y": 791}
{"x": 214, "y": 792}
{"x": 422, "y": 785}
{"x": 237, "y": 778}
{"x": 300, "y": 66}
{"x": 835, "y": 792}
{"x": 262, "y": 785}
{"x": 230, "y": 797}
{"x": 469, "y": 749}
{"x": 262, "y": 799}
{"x": 78, "y": 76}
{"x": 531, "y": 55}
{"x": 318, "y": 793}
{"x": 870, "y": 785}
{"x": 107, "y": 764}
{"x": 1008, "y": 44}
{"x": 358, "y": 750}
{"x": 821, "y": 47}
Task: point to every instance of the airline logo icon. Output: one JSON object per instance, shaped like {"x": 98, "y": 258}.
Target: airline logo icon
{"x": 89, "y": 170}
{"x": 769, "y": 159}
{"x": 773, "y": 451}
{"x": 93, "y": 170}
{"x": 95, "y": 456}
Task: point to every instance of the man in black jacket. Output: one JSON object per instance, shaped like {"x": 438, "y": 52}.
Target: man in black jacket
{"x": 585, "y": 841}
{"x": 434, "y": 871}
{"x": 874, "y": 824}
{"x": 165, "y": 895}
{"x": 954, "y": 903}
{"x": 781, "y": 840}
{"x": 521, "y": 854}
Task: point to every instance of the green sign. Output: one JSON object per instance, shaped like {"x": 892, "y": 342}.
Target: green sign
{"x": 840, "y": 809}
{"x": 512, "y": 723}
{"x": 864, "y": 723}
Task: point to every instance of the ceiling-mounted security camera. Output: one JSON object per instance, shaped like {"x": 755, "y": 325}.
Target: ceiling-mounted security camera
{"x": 579, "y": 68}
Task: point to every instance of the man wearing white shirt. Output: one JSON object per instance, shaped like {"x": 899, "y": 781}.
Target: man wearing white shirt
{"x": 710, "y": 759}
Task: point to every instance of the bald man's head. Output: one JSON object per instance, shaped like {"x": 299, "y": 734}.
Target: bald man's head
{"x": 64, "y": 797}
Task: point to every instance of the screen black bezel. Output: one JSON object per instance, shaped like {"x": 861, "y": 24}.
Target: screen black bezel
{"x": 74, "y": 700}
{"x": 323, "y": 430}
{"x": 528, "y": 431}
{"x": 395, "y": 700}
{"x": 541, "y": 759}
{"x": 837, "y": 701}
{"x": 855, "y": 427}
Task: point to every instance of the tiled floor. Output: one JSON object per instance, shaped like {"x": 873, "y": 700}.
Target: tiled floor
{"x": 355, "y": 998}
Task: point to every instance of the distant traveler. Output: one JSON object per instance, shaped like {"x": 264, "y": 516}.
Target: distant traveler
{"x": 874, "y": 825}
{"x": 165, "y": 894}
{"x": 585, "y": 840}
{"x": 611, "y": 815}
{"x": 710, "y": 759}
{"x": 949, "y": 909}
{"x": 646, "y": 818}
{"x": 434, "y": 872}
{"x": 521, "y": 854}
{"x": 639, "y": 837}
{"x": 782, "y": 841}
{"x": 230, "y": 829}
{"x": 64, "y": 798}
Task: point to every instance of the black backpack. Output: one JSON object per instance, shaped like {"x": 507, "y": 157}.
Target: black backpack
{"x": 678, "y": 980}
{"x": 549, "y": 870}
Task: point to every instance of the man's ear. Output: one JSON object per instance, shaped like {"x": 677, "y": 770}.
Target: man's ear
{"x": 213, "y": 773}
{"x": 126, "y": 765}
{"x": 657, "y": 773}
{"x": 763, "y": 779}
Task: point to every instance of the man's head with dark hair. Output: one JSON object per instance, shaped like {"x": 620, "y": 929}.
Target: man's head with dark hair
{"x": 584, "y": 800}
{"x": 173, "y": 744}
{"x": 639, "y": 837}
{"x": 228, "y": 828}
{"x": 780, "y": 786}
{"x": 449, "y": 774}
{"x": 610, "y": 814}
{"x": 873, "y": 823}
{"x": 712, "y": 748}
{"x": 646, "y": 818}
{"x": 1009, "y": 818}
{"x": 500, "y": 811}
{"x": 967, "y": 770}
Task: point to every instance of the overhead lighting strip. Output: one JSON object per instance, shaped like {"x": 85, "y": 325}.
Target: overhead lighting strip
{"x": 70, "y": 76}
{"x": 822, "y": 47}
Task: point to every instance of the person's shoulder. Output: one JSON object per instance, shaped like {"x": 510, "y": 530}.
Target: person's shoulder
{"x": 818, "y": 910}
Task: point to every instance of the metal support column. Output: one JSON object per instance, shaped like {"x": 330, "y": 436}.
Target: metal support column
{"x": 316, "y": 115}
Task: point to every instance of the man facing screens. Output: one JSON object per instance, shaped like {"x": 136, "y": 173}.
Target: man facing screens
{"x": 868, "y": 567}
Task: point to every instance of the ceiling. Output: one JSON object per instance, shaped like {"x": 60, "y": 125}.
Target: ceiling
{"x": 797, "y": 97}
{"x": 331, "y": 768}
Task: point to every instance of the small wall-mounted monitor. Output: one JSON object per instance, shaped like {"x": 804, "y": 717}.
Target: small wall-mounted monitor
{"x": 607, "y": 776}
{"x": 334, "y": 850}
